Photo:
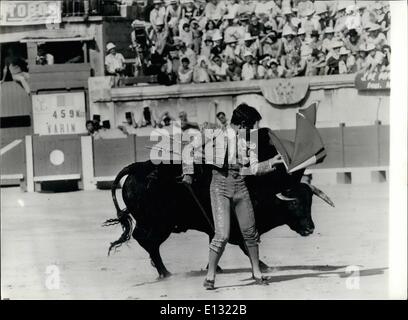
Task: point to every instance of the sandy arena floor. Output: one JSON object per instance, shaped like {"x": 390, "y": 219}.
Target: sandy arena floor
{"x": 64, "y": 230}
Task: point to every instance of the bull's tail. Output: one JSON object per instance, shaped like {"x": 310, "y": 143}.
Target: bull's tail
{"x": 123, "y": 216}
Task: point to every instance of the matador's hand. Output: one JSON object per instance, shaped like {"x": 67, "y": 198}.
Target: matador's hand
{"x": 187, "y": 179}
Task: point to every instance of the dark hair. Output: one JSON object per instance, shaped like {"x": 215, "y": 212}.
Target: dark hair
{"x": 220, "y": 113}
{"x": 245, "y": 115}
{"x": 185, "y": 59}
{"x": 186, "y": 25}
{"x": 89, "y": 122}
{"x": 208, "y": 23}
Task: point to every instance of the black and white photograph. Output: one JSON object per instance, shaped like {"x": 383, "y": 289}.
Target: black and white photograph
{"x": 203, "y": 150}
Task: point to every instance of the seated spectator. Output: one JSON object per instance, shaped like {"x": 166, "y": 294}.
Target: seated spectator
{"x": 376, "y": 37}
{"x": 188, "y": 10}
{"x": 207, "y": 47}
{"x": 197, "y": 36}
{"x": 250, "y": 45}
{"x": 43, "y": 57}
{"x": 309, "y": 23}
{"x": 352, "y": 41}
{"x": 106, "y": 132}
{"x": 201, "y": 71}
{"x": 130, "y": 125}
{"x": 184, "y": 123}
{"x": 217, "y": 43}
{"x": 114, "y": 61}
{"x": 370, "y": 61}
{"x": 231, "y": 50}
{"x": 353, "y": 18}
{"x": 275, "y": 70}
{"x": 289, "y": 20}
{"x": 92, "y": 131}
{"x": 296, "y": 66}
{"x": 246, "y": 7}
{"x": 185, "y": 73}
{"x": 332, "y": 58}
{"x": 316, "y": 64}
{"x": 271, "y": 45}
{"x": 328, "y": 39}
{"x": 158, "y": 37}
{"x": 250, "y": 67}
{"x": 263, "y": 68}
{"x": 15, "y": 64}
{"x": 188, "y": 53}
{"x": 346, "y": 61}
{"x": 256, "y": 28}
{"x": 210, "y": 29}
{"x": 214, "y": 9}
{"x": 315, "y": 43}
{"x": 186, "y": 35}
{"x": 290, "y": 45}
{"x": 233, "y": 71}
{"x": 158, "y": 13}
{"x": 219, "y": 69}
{"x": 173, "y": 15}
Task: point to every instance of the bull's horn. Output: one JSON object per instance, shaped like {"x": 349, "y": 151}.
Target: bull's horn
{"x": 321, "y": 195}
{"x": 283, "y": 198}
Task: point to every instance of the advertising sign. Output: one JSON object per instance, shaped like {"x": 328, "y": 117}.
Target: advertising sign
{"x": 20, "y": 13}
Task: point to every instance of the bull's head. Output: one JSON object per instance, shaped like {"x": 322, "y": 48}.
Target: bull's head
{"x": 298, "y": 204}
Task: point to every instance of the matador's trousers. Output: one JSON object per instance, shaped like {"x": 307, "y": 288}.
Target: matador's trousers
{"x": 228, "y": 191}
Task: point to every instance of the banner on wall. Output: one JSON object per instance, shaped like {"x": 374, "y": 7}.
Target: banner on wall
{"x": 373, "y": 81}
{"x": 59, "y": 113}
{"x": 21, "y": 13}
{"x": 285, "y": 91}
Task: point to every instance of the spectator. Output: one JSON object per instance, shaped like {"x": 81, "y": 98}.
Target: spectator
{"x": 130, "y": 125}
{"x": 207, "y": 47}
{"x": 249, "y": 69}
{"x": 345, "y": 64}
{"x": 185, "y": 73}
{"x": 90, "y": 128}
{"x": 309, "y": 23}
{"x": 172, "y": 16}
{"x": 332, "y": 58}
{"x": 353, "y": 18}
{"x": 233, "y": 71}
{"x": 352, "y": 41}
{"x": 185, "y": 124}
{"x": 271, "y": 45}
{"x": 201, "y": 71}
{"x": 197, "y": 36}
{"x": 316, "y": 64}
{"x": 15, "y": 64}
{"x": 231, "y": 50}
{"x": 158, "y": 13}
{"x": 328, "y": 39}
{"x": 217, "y": 44}
{"x": 43, "y": 57}
{"x": 376, "y": 37}
{"x": 275, "y": 71}
{"x": 256, "y": 28}
{"x": 114, "y": 61}
{"x": 263, "y": 68}
{"x": 222, "y": 119}
{"x": 107, "y": 133}
{"x": 159, "y": 37}
{"x": 250, "y": 45}
{"x": 210, "y": 29}
{"x": 218, "y": 69}
{"x": 188, "y": 53}
{"x": 296, "y": 66}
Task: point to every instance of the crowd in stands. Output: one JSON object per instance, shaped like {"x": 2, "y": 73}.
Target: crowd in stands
{"x": 189, "y": 41}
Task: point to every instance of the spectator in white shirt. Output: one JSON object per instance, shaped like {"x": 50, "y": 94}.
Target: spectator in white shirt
{"x": 114, "y": 61}
{"x": 219, "y": 69}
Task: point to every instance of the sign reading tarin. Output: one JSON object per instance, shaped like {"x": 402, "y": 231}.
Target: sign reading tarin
{"x": 59, "y": 113}
{"x": 20, "y": 13}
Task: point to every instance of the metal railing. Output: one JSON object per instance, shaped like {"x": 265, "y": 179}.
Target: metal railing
{"x": 77, "y": 8}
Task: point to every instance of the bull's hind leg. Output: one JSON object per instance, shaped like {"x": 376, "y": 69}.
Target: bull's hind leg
{"x": 151, "y": 243}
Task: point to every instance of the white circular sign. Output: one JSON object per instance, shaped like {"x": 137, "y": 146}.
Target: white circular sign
{"x": 57, "y": 157}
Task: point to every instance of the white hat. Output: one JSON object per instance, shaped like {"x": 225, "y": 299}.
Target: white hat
{"x": 350, "y": 9}
{"x": 336, "y": 44}
{"x": 248, "y": 53}
{"x": 217, "y": 36}
{"x": 288, "y": 31}
{"x": 266, "y": 58}
{"x": 157, "y": 1}
{"x": 308, "y": 12}
{"x": 321, "y": 9}
{"x": 273, "y": 60}
{"x": 110, "y": 46}
{"x": 329, "y": 30}
{"x": 228, "y": 16}
{"x": 301, "y": 31}
{"x": 287, "y": 10}
{"x": 230, "y": 39}
{"x": 343, "y": 50}
{"x": 341, "y": 6}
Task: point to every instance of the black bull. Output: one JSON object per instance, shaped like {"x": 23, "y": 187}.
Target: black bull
{"x": 160, "y": 204}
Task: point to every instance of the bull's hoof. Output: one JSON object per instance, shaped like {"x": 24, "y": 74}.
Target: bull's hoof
{"x": 263, "y": 266}
{"x": 164, "y": 275}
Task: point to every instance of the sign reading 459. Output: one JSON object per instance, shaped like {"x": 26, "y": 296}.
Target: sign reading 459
{"x": 59, "y": 113}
